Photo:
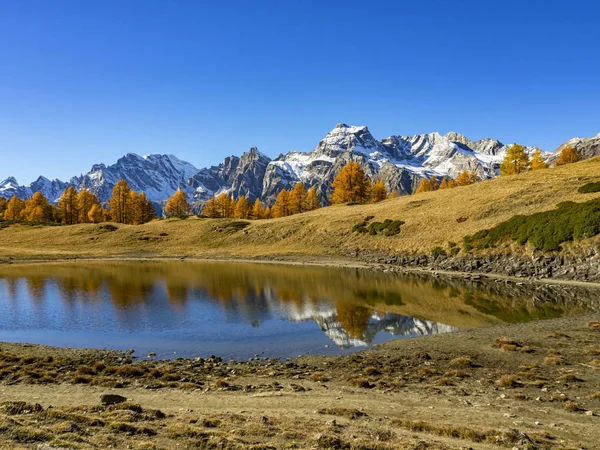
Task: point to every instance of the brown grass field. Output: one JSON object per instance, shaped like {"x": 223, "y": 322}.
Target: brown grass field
{"x": 431, "y": 219}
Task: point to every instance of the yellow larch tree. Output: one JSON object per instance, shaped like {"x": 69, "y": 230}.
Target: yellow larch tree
{"x": 177, "y": 205}
{"x": 225, "y": 205}
{"x": 258, "y": 211}
{"x": 3, "y": 203}
{"x": 568, "y": 155}
{"x": 312, "y": 200}
{"x": 148, "y": 212}
{"x": 516, "y": 161}
{"x": 68, "y": 210}
{"x": 297, "y": 197}
{"x": 268, "y": 213}
{"x": 242, "y": 208}
{"x": 282, "y": 204}
{"x": 464, "y": 178}
{"x": 394, "y": 194}
{"x": 379, "y": 192}
{"x": 119, "y": 202}
{"x": 210, "y": 208}
{"x": 85, "y": 201}
{"x": 95, "y": 214}
{"x": 424, "y": 186}
{"x": 37, "y": 209}
{"x": 14, "y": 207}
{"x": 350, "y": 185}
{"x": 537, "y": 161}
{"x": 134, "y": 212}
{"x": 444, "y": 183}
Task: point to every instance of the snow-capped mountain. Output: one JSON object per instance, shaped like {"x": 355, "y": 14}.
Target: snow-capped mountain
{"x": 52, "y": 189}
{"x": 159, "y": 176}
{"x": 401, "y": 161}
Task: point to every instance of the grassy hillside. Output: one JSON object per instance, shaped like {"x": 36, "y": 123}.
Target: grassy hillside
{"x": 430, "y": 220}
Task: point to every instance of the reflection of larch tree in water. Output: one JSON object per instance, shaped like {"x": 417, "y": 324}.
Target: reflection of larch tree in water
{"x": 126, "y": 292}
{"x": 11, "y": 287}
{"x": 36, "y": 287}
{"x": 177, "y": 293}
{"x": 354, "y": 319}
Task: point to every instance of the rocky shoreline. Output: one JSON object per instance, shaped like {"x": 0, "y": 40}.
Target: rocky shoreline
{"x": 565, "y": 268}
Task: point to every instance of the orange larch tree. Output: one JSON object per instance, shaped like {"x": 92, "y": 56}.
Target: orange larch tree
{"x": 297, "y": 198}
{"x": 148, "y": 212}
{"x": 225, "y": 205}
{"x": 37, "y": 209}
{"x": 568, "y": 155}
{"x": 85, "y": 201}
{"x": 312, "y": 200}
{"x": 350, "y": 185}
{"x": 379, "y": 192}
{"x": 242, "y": 208}
{"x": 177, "y": 205}
{"x": 282, "y": 205}
{"x": 258, "y": 211}
{"x": 68, "y": 206}
{"x": 119, "y": 202}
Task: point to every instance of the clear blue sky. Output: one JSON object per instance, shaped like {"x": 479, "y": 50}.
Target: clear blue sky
{"x": 87, "y": 81}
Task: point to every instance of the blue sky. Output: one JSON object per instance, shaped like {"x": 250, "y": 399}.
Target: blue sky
{"x": 83, "y": 82}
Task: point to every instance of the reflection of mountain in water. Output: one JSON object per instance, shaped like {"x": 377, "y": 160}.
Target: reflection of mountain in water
{"x": 334, "y": 322}
{"x": 394, "y": 324}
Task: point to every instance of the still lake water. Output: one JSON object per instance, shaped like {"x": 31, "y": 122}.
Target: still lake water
{"x": 235, "y": 310}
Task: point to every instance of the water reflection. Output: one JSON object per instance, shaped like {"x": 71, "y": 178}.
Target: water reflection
{"x": 201, "y": 306}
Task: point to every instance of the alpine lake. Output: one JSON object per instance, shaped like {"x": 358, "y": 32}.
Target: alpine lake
{"x": 171, "y": 309}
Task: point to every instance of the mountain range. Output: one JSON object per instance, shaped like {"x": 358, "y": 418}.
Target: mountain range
{"x": 401, "y": 161}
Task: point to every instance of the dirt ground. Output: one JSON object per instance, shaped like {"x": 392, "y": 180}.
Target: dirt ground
{"x": 534, "y": 385}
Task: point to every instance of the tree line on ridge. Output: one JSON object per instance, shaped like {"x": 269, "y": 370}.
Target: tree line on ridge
{"x": 351, "y": 185}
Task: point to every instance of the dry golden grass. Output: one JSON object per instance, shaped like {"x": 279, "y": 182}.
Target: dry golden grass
{"x": 431, "y": 220}
{"x": 462, "y": 361}
{"x": 509, "y": 381}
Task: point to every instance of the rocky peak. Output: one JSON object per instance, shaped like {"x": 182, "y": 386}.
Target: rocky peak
{"x": 9, "y": 180}
{"x": 344, "y": 138}
{"x": 588, "y": 147}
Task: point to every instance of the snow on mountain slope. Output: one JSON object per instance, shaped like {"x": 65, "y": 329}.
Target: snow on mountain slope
{"x": 52, "y": 189}
{"x": 159, "y": 176}
{"x": 10, "y": 187}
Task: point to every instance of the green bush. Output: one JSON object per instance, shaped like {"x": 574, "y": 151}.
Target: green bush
{"x": 438, "y": 251}
{"x": 454, "y": 251}
{"x": 544, "y": 230}
{"x": 589, "y": 188}
{"x": 360, "y": 227}
{"x": 388, "y": 227}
